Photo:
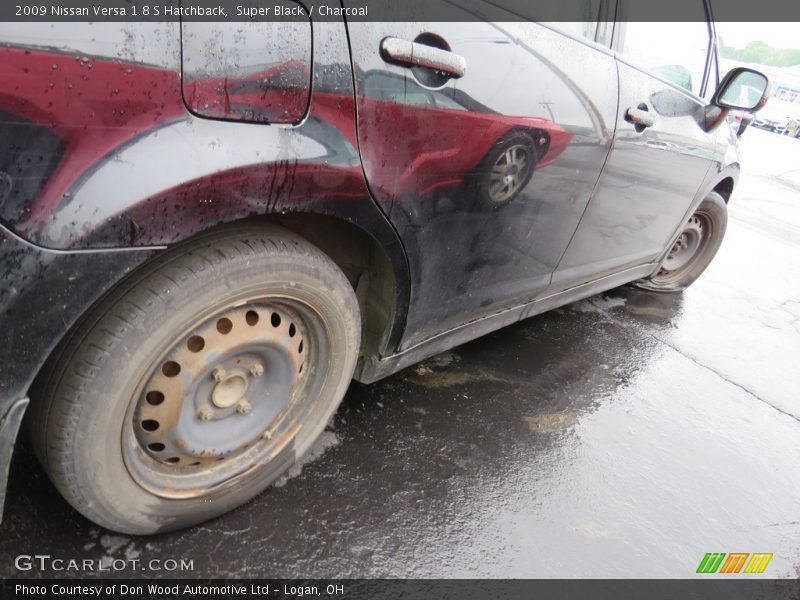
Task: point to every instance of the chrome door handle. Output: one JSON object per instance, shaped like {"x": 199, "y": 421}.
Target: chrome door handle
{"x": 641, "y": 117}
{"x": 413, "y": 54}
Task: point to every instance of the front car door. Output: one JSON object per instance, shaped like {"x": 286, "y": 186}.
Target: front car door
{"x": 656, "y": 165}
{"x": 485, "y": 176}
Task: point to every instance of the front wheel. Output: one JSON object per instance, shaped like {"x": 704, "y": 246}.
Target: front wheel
{"x": 694, "y": 249}
{"x": 196, "y": 384}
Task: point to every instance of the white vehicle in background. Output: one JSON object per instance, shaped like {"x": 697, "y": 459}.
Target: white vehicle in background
{"x": 793, "y": 127}
{"x": 780, "y": 117}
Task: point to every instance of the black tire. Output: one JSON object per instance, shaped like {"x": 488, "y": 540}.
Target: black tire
{"x": 481, "y": 179}
{"x": 85, "y": 421}
{"x": 710, "y": 220}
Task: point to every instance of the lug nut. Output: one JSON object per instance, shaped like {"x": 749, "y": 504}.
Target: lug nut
{"x": 256, "y": 369}
{"x": 244, "y": 407}
{"x": 205, "y": 413}
{"x": 218, "y": 374}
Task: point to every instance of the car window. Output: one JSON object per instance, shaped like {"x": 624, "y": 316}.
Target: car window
{"x": 414, "y": 98}
{"x": 566, "y": 10}
{"x": 397, "y": 89}
{"x": 676, "y": 52}
{"x": 583, "y": 29}
{"x": 444, "y": 101}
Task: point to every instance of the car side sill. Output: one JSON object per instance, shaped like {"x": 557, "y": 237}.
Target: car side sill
{"x": 9, "y": 425}
{"x": 373, "y": 369}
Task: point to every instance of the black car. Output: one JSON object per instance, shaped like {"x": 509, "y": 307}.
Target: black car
{"x": 208, "y": 229}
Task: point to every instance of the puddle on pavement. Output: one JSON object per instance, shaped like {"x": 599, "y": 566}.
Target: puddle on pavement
{"x": 552, "y": 423}
{"x": 426, "y": 377}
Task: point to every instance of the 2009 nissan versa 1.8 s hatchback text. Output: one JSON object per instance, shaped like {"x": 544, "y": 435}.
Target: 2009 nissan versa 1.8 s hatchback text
{"x": 208, "y": 229}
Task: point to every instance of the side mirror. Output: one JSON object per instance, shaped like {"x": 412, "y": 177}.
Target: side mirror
{"x": 742, "y": 89}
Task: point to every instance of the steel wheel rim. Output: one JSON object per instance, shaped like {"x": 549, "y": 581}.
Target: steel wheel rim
{"x": 509, "y": 173}
{"x": 236, "y": 400}
{"x": 687, "y": 248}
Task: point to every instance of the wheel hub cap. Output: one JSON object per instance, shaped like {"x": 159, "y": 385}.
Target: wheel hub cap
{"x": 230, "y": 391}
{"x": 219, "y": 393}
{"x": 509, "y": 173}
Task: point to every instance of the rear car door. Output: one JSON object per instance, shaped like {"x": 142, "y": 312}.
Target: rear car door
{"x": 449, "y": 158}
{"x": 661, "y": 152}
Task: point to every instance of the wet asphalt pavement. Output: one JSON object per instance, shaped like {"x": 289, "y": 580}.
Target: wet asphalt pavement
{"x": 622, "y": 436}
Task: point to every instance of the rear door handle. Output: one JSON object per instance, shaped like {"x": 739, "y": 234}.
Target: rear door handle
{"x": 639, "y": 116}
{"x": 413, "y": 54}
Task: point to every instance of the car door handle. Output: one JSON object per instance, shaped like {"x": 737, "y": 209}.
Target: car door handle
{"x": 413, "y": 54}
{"x": 641, "y": 117}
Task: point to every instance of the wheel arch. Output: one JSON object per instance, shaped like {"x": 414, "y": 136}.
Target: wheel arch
{"x": 539, "y": 136}
{"x": 379, "y": 282}
{"x": 722, "y": 181}
{"x": 725, "y": 188}
{"x": 376, "y": 270}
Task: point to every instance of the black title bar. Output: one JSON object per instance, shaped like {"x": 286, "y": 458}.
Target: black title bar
{"x": 19, "y": 11}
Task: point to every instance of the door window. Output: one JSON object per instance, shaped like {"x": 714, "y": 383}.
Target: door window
{"x": 589, "y": 10}
{"x": 578, "y": 29}
{"x": 675, "y": 52}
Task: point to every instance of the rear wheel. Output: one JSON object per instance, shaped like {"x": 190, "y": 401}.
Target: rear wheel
{"x": 694, "y": 249}
{"x": 197, "y": 383}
